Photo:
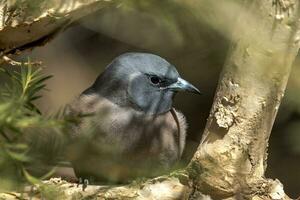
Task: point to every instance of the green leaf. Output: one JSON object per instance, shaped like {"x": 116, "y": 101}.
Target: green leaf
{"x": 17, "y": 146}
{"x": 20, "y": 116}
{"x": 31, "y": 179}
{"x": 49, "y": 174}
{"x": 22, "y": 157}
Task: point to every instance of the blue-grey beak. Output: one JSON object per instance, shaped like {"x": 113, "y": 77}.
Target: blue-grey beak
{"x": 183, "y": 85}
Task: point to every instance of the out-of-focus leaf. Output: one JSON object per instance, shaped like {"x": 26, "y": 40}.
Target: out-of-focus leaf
{"x": 17, "y": 146}
{"x": 49, "y": 174}
{"x": 22, "y": 157}
{"x": 31, "y": 179}
{"x": 20, "y": 120}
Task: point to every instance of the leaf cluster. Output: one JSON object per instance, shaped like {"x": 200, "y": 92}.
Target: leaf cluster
{"x": 20, "y": 124}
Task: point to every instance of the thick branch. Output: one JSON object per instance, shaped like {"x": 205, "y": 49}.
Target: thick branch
{"x": 231, "y": 158}
{"x": 26, "y": 24}
{"x": 163, "y": 188}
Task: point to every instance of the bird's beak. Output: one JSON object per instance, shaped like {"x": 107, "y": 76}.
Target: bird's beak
{"x": 183, "y": 85}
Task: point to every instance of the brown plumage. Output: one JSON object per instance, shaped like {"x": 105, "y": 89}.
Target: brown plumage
{"x": 119, "y": 143}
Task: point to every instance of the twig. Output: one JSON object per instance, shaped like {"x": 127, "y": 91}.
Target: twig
{"x": 16, "y": 63}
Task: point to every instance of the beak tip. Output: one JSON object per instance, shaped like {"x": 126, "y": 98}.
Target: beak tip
{"x": 183, "y": 85}
{"x": 200, "y": 93}
{"x": 196, "y": 91}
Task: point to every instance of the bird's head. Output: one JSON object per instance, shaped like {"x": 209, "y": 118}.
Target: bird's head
{"x": 143, "y": 81}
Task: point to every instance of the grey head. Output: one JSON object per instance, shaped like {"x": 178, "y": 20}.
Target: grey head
{"x": 142, "y": 81}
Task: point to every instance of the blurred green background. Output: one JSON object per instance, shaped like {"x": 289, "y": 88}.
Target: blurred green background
{"x": 192, "y": 36}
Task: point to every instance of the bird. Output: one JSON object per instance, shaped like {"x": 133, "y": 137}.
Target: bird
{"x": 132, "y": 129}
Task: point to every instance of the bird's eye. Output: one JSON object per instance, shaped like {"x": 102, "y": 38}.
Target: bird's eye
{"x": 155, "y": 80}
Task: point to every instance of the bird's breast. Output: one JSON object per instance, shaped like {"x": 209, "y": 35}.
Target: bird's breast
{"x": 126, "y": 138}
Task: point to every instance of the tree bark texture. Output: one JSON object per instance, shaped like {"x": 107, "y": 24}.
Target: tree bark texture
{"x": 25, "y": 24}
{"x": 232, "y": 157}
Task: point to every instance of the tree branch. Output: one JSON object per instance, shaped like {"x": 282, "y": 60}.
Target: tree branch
{"x": 163, "y": 188}
{"x": 231, "y": 159}
{"x": 26, "y": 24}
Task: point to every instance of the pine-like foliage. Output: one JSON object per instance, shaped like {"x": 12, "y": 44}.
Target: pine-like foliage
{"x": 20, "y": 118}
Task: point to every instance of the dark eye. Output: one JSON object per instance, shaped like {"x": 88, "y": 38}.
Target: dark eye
{"x": 155, "y": 80}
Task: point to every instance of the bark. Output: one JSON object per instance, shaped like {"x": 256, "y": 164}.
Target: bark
{"x": 25, "y": 24}
{"x": 232, "y": 158}
{"x": 159, "y": 188}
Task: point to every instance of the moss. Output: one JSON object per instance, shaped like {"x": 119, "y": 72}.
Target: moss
{"x": 194, "y": 170}
{"x": 182, "y": 175}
